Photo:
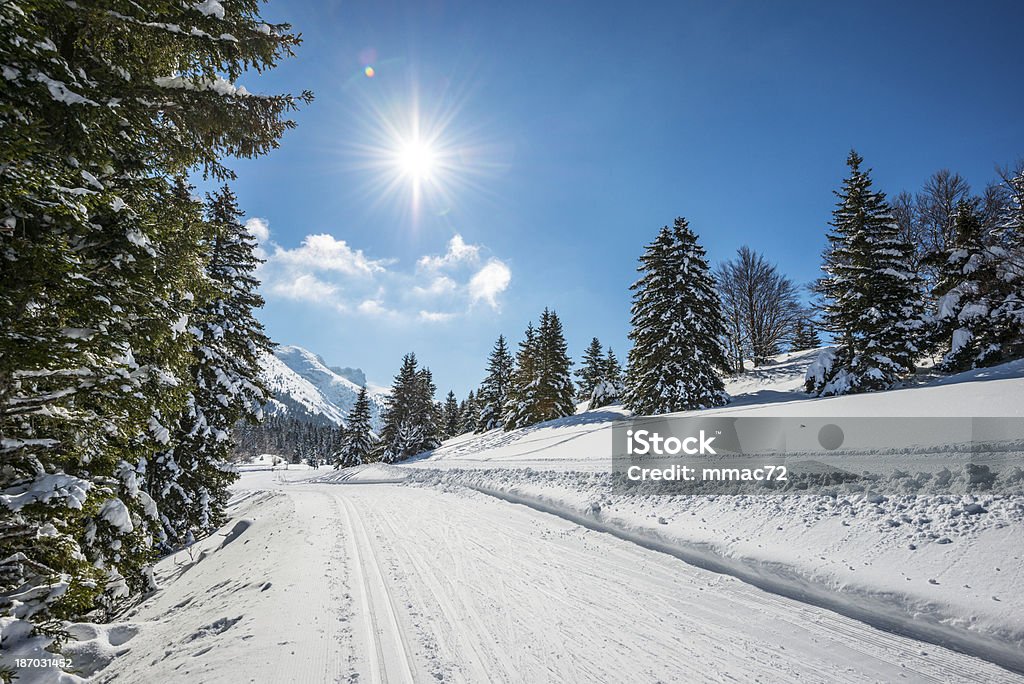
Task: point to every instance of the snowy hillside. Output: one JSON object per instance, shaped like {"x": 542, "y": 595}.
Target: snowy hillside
{"x": 304, "y": 386}
{"x": 582, "y": 442}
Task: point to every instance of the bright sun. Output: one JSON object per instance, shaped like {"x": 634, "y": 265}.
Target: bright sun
{"x": 416, "y": 160}
{"x": 422, "y": 154}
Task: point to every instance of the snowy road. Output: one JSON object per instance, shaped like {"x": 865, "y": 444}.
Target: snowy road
{"x": 321, "y": 582}
{"x": 460, "y": 586}
{"x": 364, "y": 579}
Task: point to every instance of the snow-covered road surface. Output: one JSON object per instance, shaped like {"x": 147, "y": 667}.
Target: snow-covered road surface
{"x": 384, "y": 582}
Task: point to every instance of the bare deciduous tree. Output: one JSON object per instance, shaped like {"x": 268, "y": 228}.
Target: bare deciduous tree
{"x": 937, "y": 208}
{"x": 925, "y": 220}
{"x": 759, "y": 304}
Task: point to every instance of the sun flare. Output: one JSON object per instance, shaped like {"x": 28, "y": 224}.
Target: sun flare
{"x": 428, "y": 154}
{"x": 416, "y": 160}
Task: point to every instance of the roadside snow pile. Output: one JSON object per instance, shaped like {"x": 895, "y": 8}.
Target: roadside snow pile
{"x": 220, "y": 573}
{"x": 93, "y": 647}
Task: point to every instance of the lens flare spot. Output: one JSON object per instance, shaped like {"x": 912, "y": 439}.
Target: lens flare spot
{"x": 369, "y": 71}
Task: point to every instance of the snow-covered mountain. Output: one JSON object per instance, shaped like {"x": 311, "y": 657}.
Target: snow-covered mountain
{"x": 304, "y": 386}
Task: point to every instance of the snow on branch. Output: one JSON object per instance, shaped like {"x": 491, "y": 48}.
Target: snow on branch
{"x": 217, "y": 84}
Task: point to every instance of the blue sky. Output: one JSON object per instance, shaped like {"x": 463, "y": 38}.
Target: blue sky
{"x": 566, "y": 133}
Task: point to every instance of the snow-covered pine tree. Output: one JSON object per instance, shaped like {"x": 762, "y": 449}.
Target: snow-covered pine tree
{"x": 103, "y": 103}
{"x": 398, "y": 411}
{"x": 494, "y": 390}
{"x": 359, "y": 441}
{"x": 90, "y": 347}
{"x": 591, "y": 370}
{"x": 612, "y": 367}
{"x": 555, "y": 388}
{"x": 872, "y": 299}
{"x": 611, "y": 387}
{"x": 805, "y": 335}
{"x": 541, "y": 387}
{"x": 428, "y": 412}
{"x": 677, "y": 330}
{"x": 190, "y": 481}
{"x": 1008, "y": 251}
{"x": 451, "y": 418}
{"x": 521, "y": 401}
{"x": 411, "y": 418}
{"x": 967, "y": 289}
{"x": 470, "y": 413}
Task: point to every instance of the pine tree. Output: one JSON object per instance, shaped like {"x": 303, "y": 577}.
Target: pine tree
{"x": 805, "y": 336}
{"x": 554, "y": 381}
{"x": 612, "y": 367}
{"x": 190, "y": 481}
{"x": 411, "y": 418}
{"x": 541, "y": 387}
{"x": 611, "y": 386}
{"x": 359, "y": 441}
{"x": 677, "y": 328}
{"x": 1008, "y": 252}
{"x": 967, "y": 288}
{"x": 104, "y": 103}
{"x": 522, "y": 400}
{"x": 872, "y": 298}
{"x": 470, "y": 413}
{"x": 494, "y": 390}
{"x": 451, "y": 418}
{"x": 428, "y": 412}
{"x": 591, "y": 371}
{"x": 398, "y": 414}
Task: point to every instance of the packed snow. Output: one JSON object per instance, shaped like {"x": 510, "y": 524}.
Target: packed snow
{"x": 509, "y": 557}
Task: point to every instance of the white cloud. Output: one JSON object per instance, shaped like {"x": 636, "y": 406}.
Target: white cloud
{"x": 436, "y": 316}
{"x": 328, "y": 271}
{"x": 258, "y": 228}
{"x": 490, "y": 281}
{"x": 324, "y": 252}
{"x": 458, "y": 252}
{"x": 374, "y": 307}
{"x": 305, "y": 287}
{"x": 441, "y": 285}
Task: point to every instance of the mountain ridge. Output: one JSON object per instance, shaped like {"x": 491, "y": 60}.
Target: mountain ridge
{"x": 303, "y": 386}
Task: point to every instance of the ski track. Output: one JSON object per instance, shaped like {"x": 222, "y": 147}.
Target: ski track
{"x": 459, "y": 586}
{"x": 385, "y": 639}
